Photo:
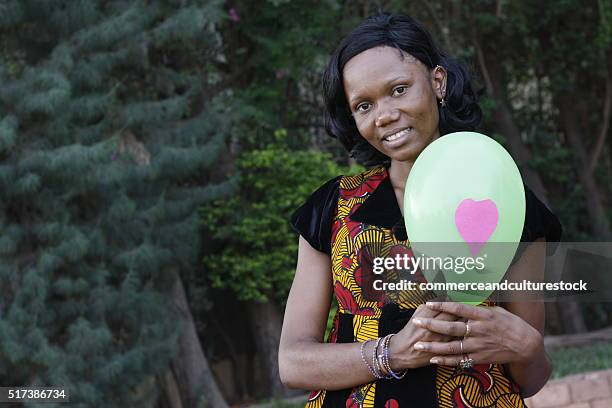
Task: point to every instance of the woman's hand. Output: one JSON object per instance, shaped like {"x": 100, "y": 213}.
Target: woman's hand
{"x": 495, "y": 335}
{"x": 401, "y": 346}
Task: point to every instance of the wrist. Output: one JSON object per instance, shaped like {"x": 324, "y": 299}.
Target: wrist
{"x": 398, "y": 357}
{"x": 533, "y": 350}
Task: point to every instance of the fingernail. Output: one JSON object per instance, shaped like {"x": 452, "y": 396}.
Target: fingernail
{"x": 419, "y": 346}
{"x": 433, "y": 304}
{"x": 434, "y": 361}
{"x": 417, "y": 321}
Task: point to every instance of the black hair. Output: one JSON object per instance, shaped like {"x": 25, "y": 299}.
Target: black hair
{"x": 404, "y": 33}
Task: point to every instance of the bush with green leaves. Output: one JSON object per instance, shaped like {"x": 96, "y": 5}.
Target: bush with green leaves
{"x": 253, "y": 248}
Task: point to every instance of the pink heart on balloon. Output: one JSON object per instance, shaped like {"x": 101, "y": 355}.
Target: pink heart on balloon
{"x": 476, "y": 221}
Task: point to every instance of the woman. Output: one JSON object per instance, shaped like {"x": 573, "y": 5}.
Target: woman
{"x": 389, "y": 92}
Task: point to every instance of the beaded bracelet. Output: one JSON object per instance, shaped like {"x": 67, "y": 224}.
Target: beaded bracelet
{"x": 384, "y": 373}
{"x": 365, "y": 360}
{"x": 380, "y": 361}
{"x": 386, "y": 363}
{"x": 383, "y": 360}
{"x": 379, "y": 372}
{"x": 380, "y": 367}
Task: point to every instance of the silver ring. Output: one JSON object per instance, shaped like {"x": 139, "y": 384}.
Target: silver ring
{"x": 466, "y": 362}
{"x": 461, "y": 345}
{"x": 467, "y": 329}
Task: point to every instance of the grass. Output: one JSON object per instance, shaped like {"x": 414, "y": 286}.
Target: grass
{"x": 575, "y": 360}
{"x": 280, "y": 404}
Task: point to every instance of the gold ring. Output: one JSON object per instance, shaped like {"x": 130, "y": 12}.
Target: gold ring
{"x": 467, "y": 329}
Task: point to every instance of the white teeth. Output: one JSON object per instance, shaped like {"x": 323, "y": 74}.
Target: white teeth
{"x": 397, "y": 135}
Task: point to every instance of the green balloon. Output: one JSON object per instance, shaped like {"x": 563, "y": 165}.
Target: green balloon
{"x": 464, "y": 199}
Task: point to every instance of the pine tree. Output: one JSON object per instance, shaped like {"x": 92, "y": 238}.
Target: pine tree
{"x": 108, "y": 134}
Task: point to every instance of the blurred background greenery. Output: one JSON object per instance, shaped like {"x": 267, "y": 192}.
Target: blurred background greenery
{"x": 151, "y": 153}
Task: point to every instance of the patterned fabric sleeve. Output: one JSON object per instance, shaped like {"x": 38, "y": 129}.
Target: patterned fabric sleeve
{"x": 313, "y": 220}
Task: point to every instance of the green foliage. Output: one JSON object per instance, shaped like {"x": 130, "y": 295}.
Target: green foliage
{"x": 276, "y": 51}
{"x": 604, "y": 35}
{"x": 330, "y": 318}
{"x": 284, "y": 404}
{"x": 539, "y": 57}
{"x": 105, "y": 152}
{"x": 113, "y": 115}
{"x": 567, "y": 56}
{"x": 253, "y": 249}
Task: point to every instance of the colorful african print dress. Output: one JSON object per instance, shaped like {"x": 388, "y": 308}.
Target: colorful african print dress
{"x": 353, "y": 218}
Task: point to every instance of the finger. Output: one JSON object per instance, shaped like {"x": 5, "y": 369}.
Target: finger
{"x": 424, "y": 311}
{"x": 463, "y": 310}
{"x": 446, "y": 348}
{"x": 453, "y": 361}
{"x": 455, "y": 329}
{"x": 428, "y": 312}
{"x": 449, "y": 317}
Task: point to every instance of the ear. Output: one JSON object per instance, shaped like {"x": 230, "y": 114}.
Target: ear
{"x": 438, "y": 81}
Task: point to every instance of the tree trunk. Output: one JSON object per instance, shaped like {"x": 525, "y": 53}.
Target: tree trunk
{"x": 171, "y": 395}
{"x": 266, "y": 322}
{"x": 595, "y": 208}
{"x": 554, "y": 322}
{"x": 578, "y": 340}
{"x": 495, "y": 81}
{"x": 573, "y": 319}
{"x": 239, "y": 365}
{"x": 194, "y": 377}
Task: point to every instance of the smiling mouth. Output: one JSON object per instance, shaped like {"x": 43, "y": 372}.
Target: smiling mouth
{"x": 397, "y": 135}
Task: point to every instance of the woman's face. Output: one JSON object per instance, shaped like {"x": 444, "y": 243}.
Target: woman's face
{"x": 394, "y": 100}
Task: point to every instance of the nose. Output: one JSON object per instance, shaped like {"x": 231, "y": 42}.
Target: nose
{"x": 386, "y": 115}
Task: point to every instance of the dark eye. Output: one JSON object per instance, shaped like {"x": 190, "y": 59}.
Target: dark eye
{"x": 400, "y": 90}
{"x": 363, "y": 107}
